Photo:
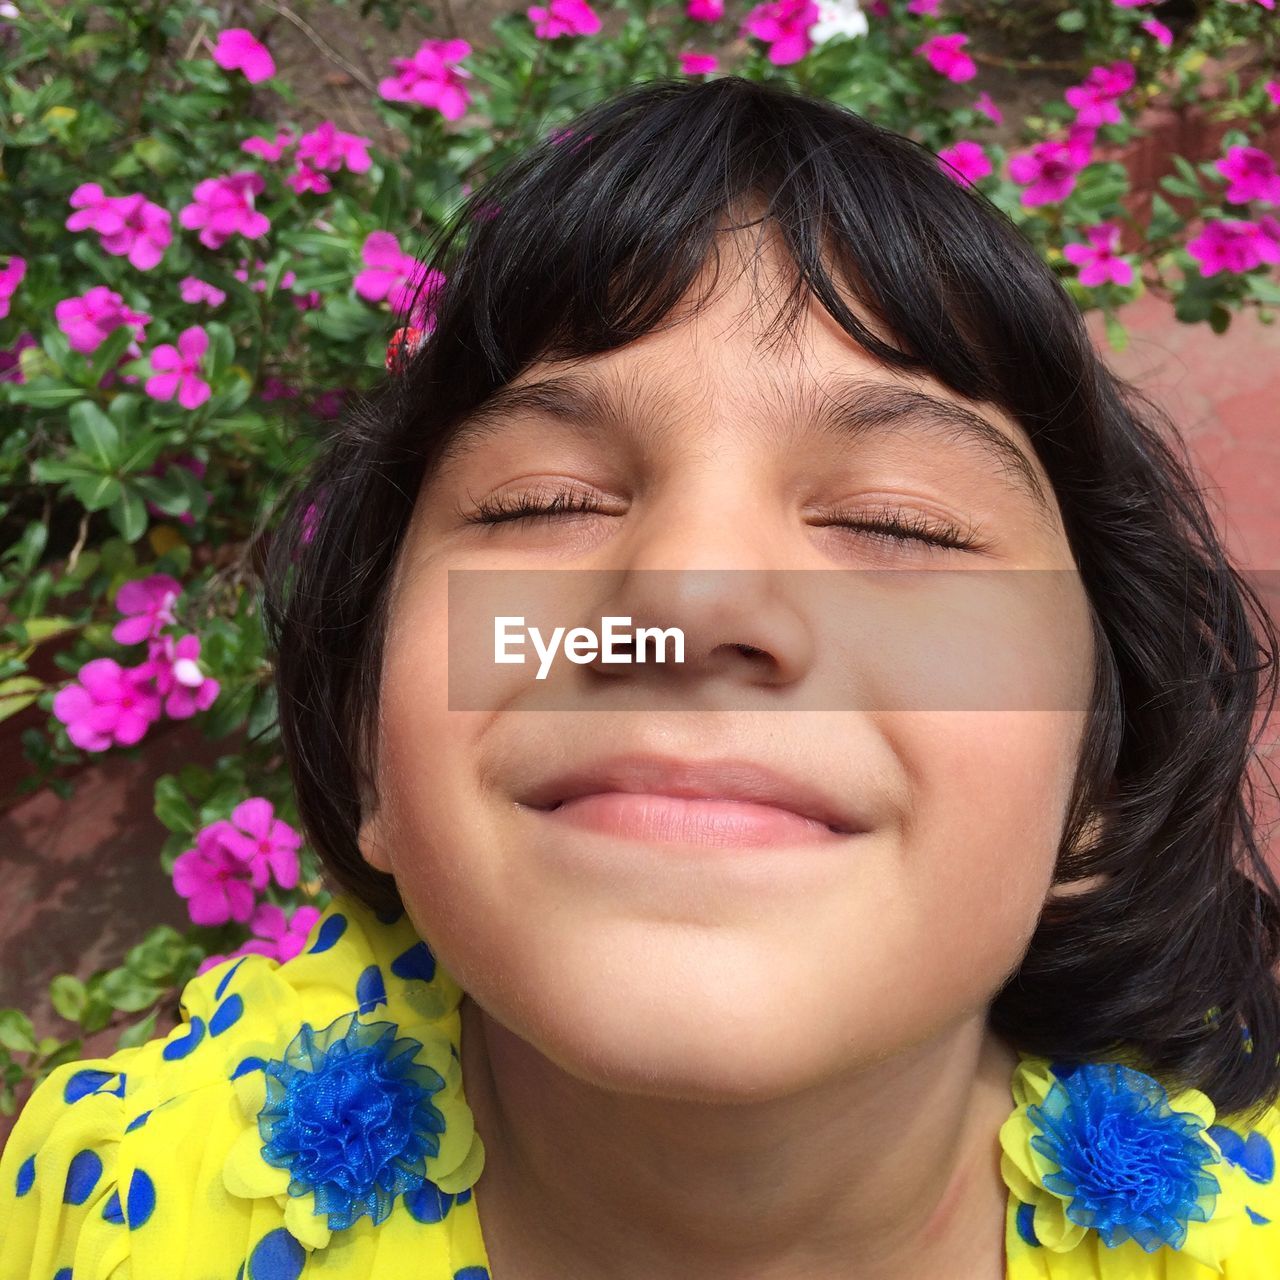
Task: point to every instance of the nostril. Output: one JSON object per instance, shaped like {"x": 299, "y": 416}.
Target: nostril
{"x": 749, "y": 650}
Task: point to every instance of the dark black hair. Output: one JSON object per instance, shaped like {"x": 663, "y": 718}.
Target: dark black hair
{"x": 589, "y": 240}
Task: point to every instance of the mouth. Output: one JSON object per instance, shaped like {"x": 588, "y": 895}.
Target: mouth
{"x": 706, "y": 802}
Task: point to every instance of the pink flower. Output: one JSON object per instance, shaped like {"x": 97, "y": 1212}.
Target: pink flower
{"x": 274, "y": 935}
{"x": 88, "y": 320}
{"x": 147, "y": 606}
{"x": 1095, "y": 100}
{"x": 704, "y": 10}
{"x": 259, "y": 285}
{"x": 265, "y": 148}
{"x": 563, "y": 18}
{"x": 262, "y": 841}
{"x": 784, "y": 26}
{"x": 1251, "y": 175}
{"x": 288, "y": 933}
{"x": 1273, "y": 91}
{"x": 109, "y": 704}
{"x": 193, "y": 290}
{"x": 1154, "y": 27}
{"x": 1098, "y": 260}
{"x": 178, "y": 677}
{"x": 177, "y": 369}
{"x": 431, "y": 79}
{"x": 309, "y": 301}
{"x": 128, "y": 226}
{"x": 698, "y": 64}
{"x": 1266, "y": 4}
{"x": 923, "y": 8}
{"x": 984, "y": 103}
{"x": 1231, "y": 245}
{"x": 240, "y": 50}
{"x": 304, "y": 178}
{"x": 968, "y": 159}
{"x": 218, "y": 885}
{"x": 327, "y": 147}
{"x": 1050, "y": 168}
{"x": 945, "y": 55}
{"x": 10, "y": 279}
{"x": 328, "y": 404}
{"x": 223, "y": 207}
{"x": 274, "y": 388}
{"x": 395, "y": 277}
{"x": 11, "y": 358}
{"x": 1131, "y": 4}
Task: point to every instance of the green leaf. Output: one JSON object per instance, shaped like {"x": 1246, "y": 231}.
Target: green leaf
{"x": 96, "y": 492}
{"x": 129, "y": 514}
{"x": 173, "y": 808}
{"x": 129, "y": 992}
{"x": 1071, "y": 20}
{"x": 95, "y": 434}
{"x": 107, "y": 355}
{"x": 1117, "y": 334}
{"x": 17, "y": 694}
{"x": 16, "y": 1032}
{"x": 27, "y": 550}
{"x": 139, "y": 1033}
{"x": 68, "y": 996}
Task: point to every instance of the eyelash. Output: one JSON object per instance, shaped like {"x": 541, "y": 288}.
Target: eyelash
{"x": 888, "y": 524}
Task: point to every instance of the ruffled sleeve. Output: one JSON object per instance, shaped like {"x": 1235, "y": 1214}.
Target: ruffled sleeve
{"x": 305, "y": 1109}
{"x": 61, "y": 1208}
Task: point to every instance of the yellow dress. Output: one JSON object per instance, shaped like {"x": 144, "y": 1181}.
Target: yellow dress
{"x": 309, "y": 1120}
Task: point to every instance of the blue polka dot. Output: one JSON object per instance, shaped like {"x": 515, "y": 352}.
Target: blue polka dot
{"x": 464, "y": 1197}
{"x": 226, "y": 977}
{"x": 227, "y": 1014}
{"x": 371, "y": 991}
{"x": 137, "y": 1122}
{"x": 64, "y": 1274}
{"x": 249, "y": 1064}
{"x": 1253, "y": 1154}
{"x": 142, "y": 1199}
{"x": 85, "y": 1082}
{"x": 182, "y": 1046}
{"x": 82, "y": 1176}
{"x": 277, "y": 1256}
{"x": 1026, "y": 1213}
{"x": 472, "y": 1273}
{"x": 112, "y": 1212}
{"x": 417, "y": 962}
{"x": 332, "y": 929}
{"x": 26, "y": 1176}
{"x": 428, "y": 1203}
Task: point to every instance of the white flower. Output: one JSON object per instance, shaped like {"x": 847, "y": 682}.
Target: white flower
{"x": 838, "y": 18}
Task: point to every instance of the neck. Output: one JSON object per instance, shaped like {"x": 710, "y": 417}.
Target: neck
{"x": 890, "y": 1171}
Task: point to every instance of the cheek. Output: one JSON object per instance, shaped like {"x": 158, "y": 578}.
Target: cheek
{"x": 991, "y": 792}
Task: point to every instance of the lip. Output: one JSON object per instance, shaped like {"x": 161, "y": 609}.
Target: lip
{"x": 718, "y": 779}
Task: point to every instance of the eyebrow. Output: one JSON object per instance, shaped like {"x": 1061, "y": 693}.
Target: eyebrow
{"x": 848, "y": 407}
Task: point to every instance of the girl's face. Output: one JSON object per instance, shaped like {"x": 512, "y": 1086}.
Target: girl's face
{"x": 937, "y": 712}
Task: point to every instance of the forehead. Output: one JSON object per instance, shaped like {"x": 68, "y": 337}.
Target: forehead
{"x": 733, "y": 349}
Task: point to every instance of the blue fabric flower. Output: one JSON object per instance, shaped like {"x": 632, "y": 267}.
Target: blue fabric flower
{"x": 349, "y": 1115}
{"x": 1129, "y": 1165}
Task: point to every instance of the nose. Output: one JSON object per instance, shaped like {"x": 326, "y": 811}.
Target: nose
{"x": 712, "y": 568}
